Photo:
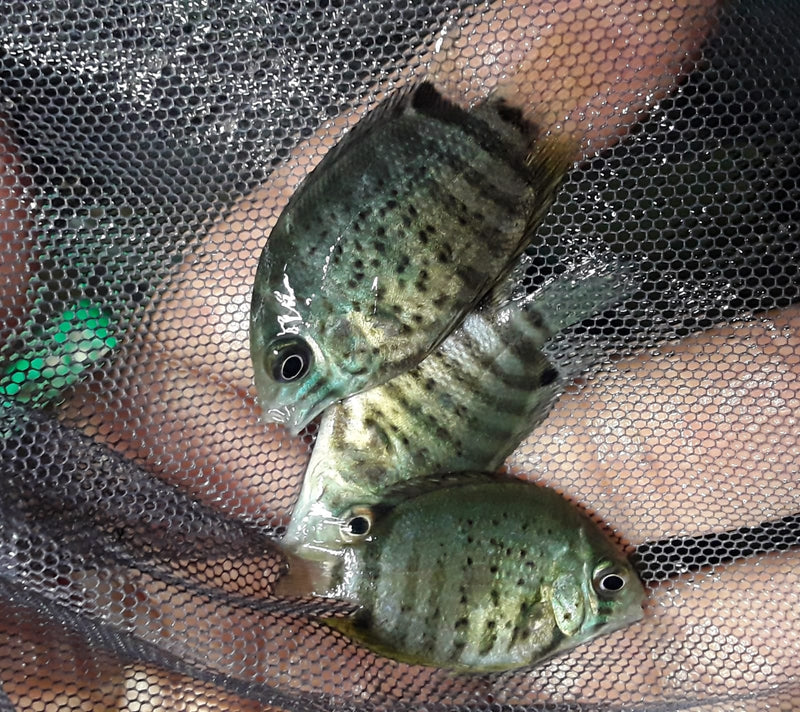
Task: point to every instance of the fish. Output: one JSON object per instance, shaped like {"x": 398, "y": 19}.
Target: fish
{"x": 401, "y": 229}
{"x": 464, "y": 407}
{"x": 473, "y": 575}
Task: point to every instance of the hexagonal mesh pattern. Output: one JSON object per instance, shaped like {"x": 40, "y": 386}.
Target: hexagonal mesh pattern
{"x": 147, "y": 149}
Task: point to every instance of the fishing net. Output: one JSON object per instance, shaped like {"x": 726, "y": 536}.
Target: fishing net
{"x": 147, "y": 147}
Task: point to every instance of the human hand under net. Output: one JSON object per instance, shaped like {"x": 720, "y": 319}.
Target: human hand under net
{"x": 633, "y": 437}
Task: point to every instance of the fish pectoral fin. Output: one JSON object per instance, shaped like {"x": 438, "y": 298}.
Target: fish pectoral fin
{"x": 568, "y": 605}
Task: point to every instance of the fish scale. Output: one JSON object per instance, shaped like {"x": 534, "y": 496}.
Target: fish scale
{"x": 475, "y": 575}
{"x": 390, "y": 241}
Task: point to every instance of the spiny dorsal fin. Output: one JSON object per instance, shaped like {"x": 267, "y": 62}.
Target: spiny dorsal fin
{"x": 408, "y": 489}
{"x": 422, "y": 98}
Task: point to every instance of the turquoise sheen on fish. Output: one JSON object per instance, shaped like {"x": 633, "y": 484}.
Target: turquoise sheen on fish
{"x": 474, "y": 575}
{"x": 402, "y": 228}
{"x": 464, "y": 407}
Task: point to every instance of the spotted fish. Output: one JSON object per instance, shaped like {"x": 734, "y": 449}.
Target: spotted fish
{"x": 464, "y": 407}
{"x": 474, "y": 575}
{"x": 402, "y": 228}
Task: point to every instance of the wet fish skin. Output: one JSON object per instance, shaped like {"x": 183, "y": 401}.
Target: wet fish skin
{"x": 477, "y": 576}
{"x": 464, "y": 407}
{"x": 400, "y": 230}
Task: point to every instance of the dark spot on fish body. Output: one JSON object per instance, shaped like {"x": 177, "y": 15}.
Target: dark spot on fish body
{"x": 494, "y": 595}
{"x": 440, "y": 300}
{"x": 488, "y": 639}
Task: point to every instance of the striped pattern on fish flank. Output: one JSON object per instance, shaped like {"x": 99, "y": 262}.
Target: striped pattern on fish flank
{"x": 485, "y": 378}
{"x": 467, "y": 577}
{"x": 456, "y": 187}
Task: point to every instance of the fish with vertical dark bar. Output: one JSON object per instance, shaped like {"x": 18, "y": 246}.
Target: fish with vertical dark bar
{"x": 402, "y": 228}
{"x": 464, "y": 407}
{"x": 474, "y": 575}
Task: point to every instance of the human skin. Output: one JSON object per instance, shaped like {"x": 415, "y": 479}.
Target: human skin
{"x": 639, "y": 444}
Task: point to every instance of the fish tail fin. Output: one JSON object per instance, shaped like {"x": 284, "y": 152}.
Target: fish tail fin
{"x": 584, "y": 290}
{"x": 550, "y": 157}
{"x": 304, "y": 577}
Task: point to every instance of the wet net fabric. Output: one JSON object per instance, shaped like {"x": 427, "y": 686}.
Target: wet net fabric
{"x": 147, "y": 146}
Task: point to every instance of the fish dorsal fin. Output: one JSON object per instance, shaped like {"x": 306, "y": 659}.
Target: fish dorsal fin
{"x": 356, "y": 628}
{"x": 421, "y": 97}
{"x": 408, "y": 489}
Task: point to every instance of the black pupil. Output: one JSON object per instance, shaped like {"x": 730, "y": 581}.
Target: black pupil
{"x": 292, "y": 367}
{"x": 290, "y": 359}
{"x": 612, "y": 582}
{"x": 359, "y": 525}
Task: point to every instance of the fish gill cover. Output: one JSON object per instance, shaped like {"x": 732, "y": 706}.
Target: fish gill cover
{"x": 147, "y": 150}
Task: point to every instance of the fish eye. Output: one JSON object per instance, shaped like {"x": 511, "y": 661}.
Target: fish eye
{"x": 289, "y": 359}
{"x": 609, "y": 580}
{"x": 357, "y": 525}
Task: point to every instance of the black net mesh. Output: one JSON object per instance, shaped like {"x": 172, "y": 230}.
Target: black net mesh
{"x": 147, "y": 149}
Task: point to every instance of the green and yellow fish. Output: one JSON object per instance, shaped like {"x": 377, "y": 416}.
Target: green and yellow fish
{"x": 464, "y": 407}
{"x": 474, "y": 575}
{"x": 402, "y": 228}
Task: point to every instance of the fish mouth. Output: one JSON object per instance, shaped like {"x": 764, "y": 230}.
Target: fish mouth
{"x": 288, "y": 417}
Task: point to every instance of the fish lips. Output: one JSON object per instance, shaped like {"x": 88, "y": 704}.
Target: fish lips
{"x": 290, "y": 417}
